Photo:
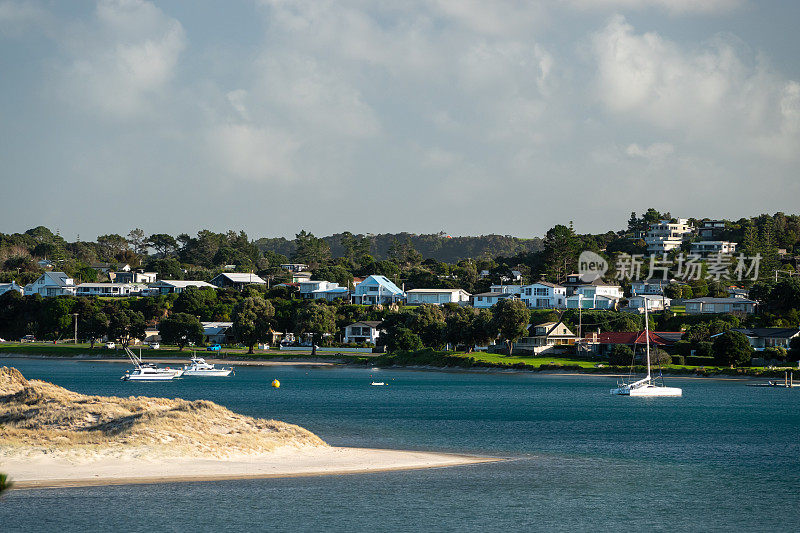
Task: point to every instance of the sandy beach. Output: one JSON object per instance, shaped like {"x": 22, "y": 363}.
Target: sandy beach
{"x": 43, "y": 471}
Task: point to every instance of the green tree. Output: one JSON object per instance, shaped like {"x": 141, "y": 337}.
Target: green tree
{"x": 162, "y": 243}
{"x": 310, "y": 249}
{"x": 92, "y": 325}
{"x": 732, "y": 349}
{"x": 252, "y": 321}
{"x": 560, "y": 252}
{"x": 428, "y": 322}
{"x": 511, "y": 320}
{"x": 137, "y": 240}
{"x": 124, "y": 324}
{"x": 402, "y": 339}
{"x": 316, "y": 319}
{"x": 181, "y": 329}
{"x": 620, "y": 355}
{"x": 794, "y": 350}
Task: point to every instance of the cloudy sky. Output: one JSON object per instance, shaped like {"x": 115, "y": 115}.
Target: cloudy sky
{"x": 467, "y": 116}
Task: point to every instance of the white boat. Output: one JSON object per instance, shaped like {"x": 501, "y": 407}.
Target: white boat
{"x": 648, "y": 386}
{"x": 377, "y": 383}
{"x": 199, "y": 367}
{"x": 148, "y": 371}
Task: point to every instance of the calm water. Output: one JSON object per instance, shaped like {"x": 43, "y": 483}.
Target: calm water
{"x": 724, "y": 457}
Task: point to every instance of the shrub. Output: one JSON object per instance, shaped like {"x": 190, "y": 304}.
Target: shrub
{"x": 660, "y": 357}
{"x": 696, "y": 360}
{"x": 775, "y": 353}
{"x": 678, "y": 360}
{"x": 732, "y": 349}
{"x": 621, "y": 355}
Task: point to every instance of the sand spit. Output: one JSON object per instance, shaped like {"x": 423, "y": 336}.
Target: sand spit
{"x": 50, "y": 436}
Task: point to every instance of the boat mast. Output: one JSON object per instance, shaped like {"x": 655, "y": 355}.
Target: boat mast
{"x": 647, "y": 336}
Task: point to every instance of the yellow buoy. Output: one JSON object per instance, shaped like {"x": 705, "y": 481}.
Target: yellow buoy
{"x": 276, "y": 383}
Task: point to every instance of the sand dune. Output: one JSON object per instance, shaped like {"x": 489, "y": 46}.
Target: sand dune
{"x": 50, "y": 436}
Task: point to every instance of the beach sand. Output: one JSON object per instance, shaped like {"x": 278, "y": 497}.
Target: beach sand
{"x": 41, "y": 471}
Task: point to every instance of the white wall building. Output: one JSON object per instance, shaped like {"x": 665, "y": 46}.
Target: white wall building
{"x": 649, "y": 286}
{"x": 507, "y": 289}
{"x": 307, "y": 288}
{"x": 544, "y": 295}
{"x": 51, "y": 284}
{"x": 6, "y": 287}
{"x": 597, "y": 295}
{"x": 169, "y": 286}
{"x": 436, "y": 296}
{"x": 366, "y": 331}
{"x": 664, "y": 235}
{"x": 713, "y": 247}
{"x": 104, "y": 289}
{"x": 485, "y": 300}
{"x": 655, "y": 302}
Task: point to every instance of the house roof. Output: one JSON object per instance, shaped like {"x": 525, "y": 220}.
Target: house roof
{"x": 550, "y": 327}
{"x": 548, "y": 284}
{"x": 103, "y": 284}
{"x": 370, "y": 323}
{"x": 710, "y": 300}
{"x": 331, "y": 289}
{"x": 433, "y": 291}
{"x": 494, "y": 294}
{"x": 241, "y": 277}
{"x": 654, "y": 297}
{"x": 772, "y": 333}
{"x": 383, "y": 282}
{"x": 657, "y": 338}
{"x": 57, "y": 278}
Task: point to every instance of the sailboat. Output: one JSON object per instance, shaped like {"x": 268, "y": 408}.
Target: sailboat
{"x": 648, "y": 386}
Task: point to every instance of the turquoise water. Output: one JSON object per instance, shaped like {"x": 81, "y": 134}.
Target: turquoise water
{"x": 724, "y": 457}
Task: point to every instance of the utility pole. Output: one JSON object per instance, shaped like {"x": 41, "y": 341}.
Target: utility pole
{"x": 580, "y": 319}
{"x": 75, "y": 317}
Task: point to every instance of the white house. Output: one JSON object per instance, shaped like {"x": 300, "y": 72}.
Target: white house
{"x": 488, "y": 299}
{"x": 295, "y": 267}
{"x": 137, "y": 276}
{"x": 6, "y": 287}
{"x": 544, "y": 295}
{"x": 595, "y": 295}
{"x": 307, "y": 288}
{"x": 761, "y": 338}
{"x": 169, "y": 286}
{"x": 377, "y": 289}
{"x": 237, "y": 280}
{"x": 331, "y": 293}
{"x": 366, "y": 331}
{"x": 649, "y": 286}
{"x": 507, "y": 289}
{"x": 706, "y": 305}
{"x": 655, "y": 302}
{"x": 104, "y": 289}
{"x": 705, "y": 248}
{"x": 51, "y": 284}
{"x": 664, "y": 235}
{"x": 436, "y": 296}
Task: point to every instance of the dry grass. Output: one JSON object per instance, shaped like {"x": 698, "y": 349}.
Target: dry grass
{"x": 39, "y": 418}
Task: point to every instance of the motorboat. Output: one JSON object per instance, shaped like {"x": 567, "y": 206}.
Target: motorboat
{"x": 199, "y": 367}
{"x": 148, "y": 371}
{"x": 648, "y": 386}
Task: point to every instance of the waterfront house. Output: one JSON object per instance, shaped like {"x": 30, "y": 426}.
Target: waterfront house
{"x": 175, "y": 286}
{"x": 545, "y": 338}
{"x": 649, "y": 286}
{"x": 307, "y": 288}
{"x": 761, "y": 338}
{"x": 104, "y": 289}
{"x": 711, "y": 228}
{"x": 707, "y": 305}
{"x": 6, "y": 287}
{"x": 237, "y": 280}
{"x": 596, "y": 294}
{"x": 51, "y": 284}
{"x": 488, "y": 299}
{"x": 331, "y": 293}
{"x": 366, "y": 331}
{"x": 544, "y": 295}
{"x": 507, "y": 289}
{"x": 436, "y": 296}
{"x": 218, "y": 332}
{"x": 603, "y": 343}
{"x": 706, "y": 248}
{"x": 376, "y": 289}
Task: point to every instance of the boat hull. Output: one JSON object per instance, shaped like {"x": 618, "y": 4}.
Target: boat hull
{"x": 150, "y": 377}
{"x": 208, "y": 373}
{"x": 648, "y": 392}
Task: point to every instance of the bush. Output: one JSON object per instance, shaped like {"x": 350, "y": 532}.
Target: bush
{"x": 733, "y": 349}
{"x": 794, "y": 349}
{"x": 660, "y": 357}
{"x": 704, "y": 349}
{"x": 678, "y": 360}
{"x": 621, "y": 355}
{"x": 696, "y": 360}
{"x": 775, "y": 353}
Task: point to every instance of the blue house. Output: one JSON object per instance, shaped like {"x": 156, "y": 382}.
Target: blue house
{"x": 377, "y": 290}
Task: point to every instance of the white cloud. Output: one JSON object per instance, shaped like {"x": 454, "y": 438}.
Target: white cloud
{"x": 714, "y": 93}
{"x": 122, "y": 60}
{"x": 252, "y": 153}
{"x": 17, "y": 17}
{"x": 672, "y": 6}
{"x": 655, "y": 151}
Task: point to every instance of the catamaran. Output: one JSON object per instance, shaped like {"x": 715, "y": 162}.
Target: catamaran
{"x": 199, "y": 367}
{"x": 148, "y": 371}
{"x": 648, "y": 386}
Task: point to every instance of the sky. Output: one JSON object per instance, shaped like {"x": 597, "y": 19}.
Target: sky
{"x": 464, "y": 116}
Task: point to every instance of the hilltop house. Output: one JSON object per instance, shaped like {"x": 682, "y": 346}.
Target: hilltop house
{"x": 366, "y": 331}
{"x": 377, "y": 289}
{"x": 436, "y": 296}
{"x": 603, "y": 343}
{"x": 649, "y": 286}
{"x": 51, "y": 284}
{"x": 706, "y": 248}
{"x": 507, "y": 289}
{"x": 545, "y": 338}
{"x": 488, "y": 299}
{"x": 308, "y": 287}
{"x": 237, "y": 280}
{"x": 544, "y": 295}
{"x": 170, "y": 286}
{"x": 705, "y": 305}
{"x": 654, "y": 302}
{"x": 664, "y": 235}
{"x": 134, "y": 276}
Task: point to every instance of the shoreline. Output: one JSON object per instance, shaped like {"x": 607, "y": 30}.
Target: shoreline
{"x": 52, "y": 472}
